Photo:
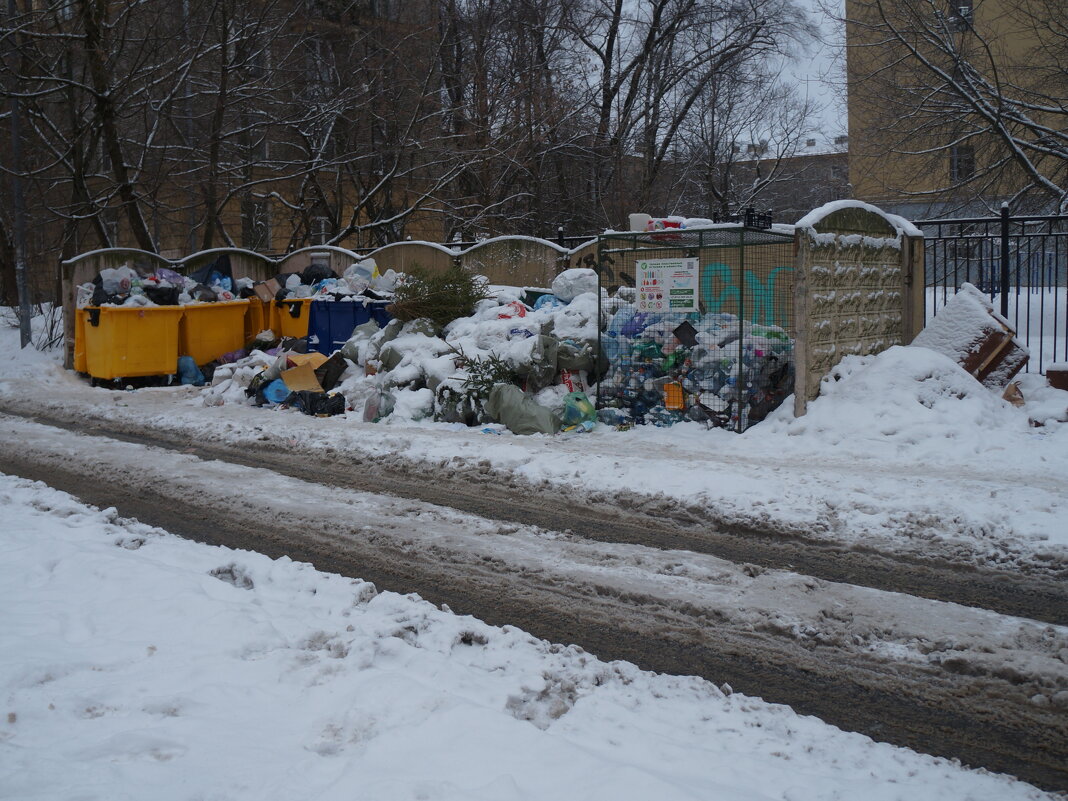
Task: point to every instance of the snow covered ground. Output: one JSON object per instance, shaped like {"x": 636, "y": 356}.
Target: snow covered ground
{"x": 903, "y": 452}
{"x": 137, "y": 665}
{"x": 134, "y": 664}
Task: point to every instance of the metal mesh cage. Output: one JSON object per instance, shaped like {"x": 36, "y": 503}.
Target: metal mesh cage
{"x": 698, "y": 325}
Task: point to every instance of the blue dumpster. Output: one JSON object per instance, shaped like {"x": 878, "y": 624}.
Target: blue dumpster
{"x": 379, "y": 313}
{"x": 332, "y": 322}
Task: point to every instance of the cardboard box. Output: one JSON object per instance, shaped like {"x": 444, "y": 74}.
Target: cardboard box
{"x": 266, "y": 290}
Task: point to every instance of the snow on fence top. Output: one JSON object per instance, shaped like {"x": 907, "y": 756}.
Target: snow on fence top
{"x": 815, "y": 220}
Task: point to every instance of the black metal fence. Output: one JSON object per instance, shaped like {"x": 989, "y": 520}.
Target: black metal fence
{"x": 1020, "y": 262}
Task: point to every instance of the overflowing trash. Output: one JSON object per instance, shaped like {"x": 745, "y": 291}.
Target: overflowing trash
{"x": 712, "y": 368}
{"x": 448, "y": 347}
{"x": 458, "y": 351}
{"x": 126, "y": 286}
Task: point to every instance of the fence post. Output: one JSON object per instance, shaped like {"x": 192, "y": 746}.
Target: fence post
{"x": 1005, "y": 260}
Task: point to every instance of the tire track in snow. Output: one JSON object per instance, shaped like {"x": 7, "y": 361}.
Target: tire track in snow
{"x": 633, "y": 518}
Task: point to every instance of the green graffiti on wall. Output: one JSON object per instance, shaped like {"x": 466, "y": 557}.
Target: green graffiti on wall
{"x": 719, "y": 292}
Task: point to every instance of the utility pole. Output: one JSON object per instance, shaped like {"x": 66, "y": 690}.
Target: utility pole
{"x": 19, "y": 199}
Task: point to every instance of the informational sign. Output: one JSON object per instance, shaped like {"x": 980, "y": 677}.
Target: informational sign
{"x": 668, "y": 285}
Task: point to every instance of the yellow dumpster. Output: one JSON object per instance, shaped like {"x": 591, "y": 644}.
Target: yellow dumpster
{"x": 129, "y": 341}
{"x": 257, "y": 318}
{"x": 289, "y": 318}
{"x": 208, "y": 330}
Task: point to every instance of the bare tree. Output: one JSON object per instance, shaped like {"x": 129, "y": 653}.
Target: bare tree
{"x": 655, "y": 61}
{"x": 971, "y": 102}
{"x": 741, "y": 146}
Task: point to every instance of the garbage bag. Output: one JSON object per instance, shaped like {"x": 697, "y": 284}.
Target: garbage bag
{"x": 422, "y": 326}
{"x": 188, "y": 372}
{"x": 317, "y": 404}
{"x": 117, "y": 280}
{"x": 379, "y": 405}
{"x": 451, "y": 406}
{"x": 162, "y": 295}
{"x": 100, "y": 295}
{"x": 542, "y": 368}
{"x": 203, "y": 293}
{"x": 390, "y": 356}
{"x": 519, "y": 412}
{"x": 578, "y": 411}
{"x": 221, "y": 266}
{"x": 276, "y": 391}
{"x": 569, "y": 284}
{"x": 548, "y": 300}
{"x": 574, "y": 356}
{"x": 314, "y": 273}
{"x": 329, "y": 372}
{"x": 169, "y": 276}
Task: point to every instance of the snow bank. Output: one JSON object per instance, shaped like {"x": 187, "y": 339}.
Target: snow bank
{"x": 908, "y": 398}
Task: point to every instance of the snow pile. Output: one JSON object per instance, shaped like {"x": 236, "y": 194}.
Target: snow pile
{"x": 134, "y": 664}
{"x": 909, "y": 397}
{"x": 37, "y": 358}
{"x": 569, "y": 284}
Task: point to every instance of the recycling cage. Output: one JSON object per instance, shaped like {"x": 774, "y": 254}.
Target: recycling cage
{"x": 703, "y": 328}
{"x": 129, "y": 341}
{"x": 208, "y": 330}
{"x": 289, "y": 318}
{"x": 332, "y": 322}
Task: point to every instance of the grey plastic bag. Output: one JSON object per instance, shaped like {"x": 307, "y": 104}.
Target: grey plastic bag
{"x": 508, "y": 404}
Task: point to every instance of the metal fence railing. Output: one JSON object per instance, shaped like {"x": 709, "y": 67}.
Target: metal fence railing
{"x": 1020, "y": 262}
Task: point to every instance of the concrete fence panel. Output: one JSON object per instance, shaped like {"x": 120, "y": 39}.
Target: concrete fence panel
{"x": 243, "y": 263}
{"x": 337, "y": 259}
{"x": 858, "y": 288}
{"x": 407, "y": 256}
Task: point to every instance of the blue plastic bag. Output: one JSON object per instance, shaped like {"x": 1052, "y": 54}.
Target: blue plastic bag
{"x": 188, "y": 372}
{"x": 276, "y": 391}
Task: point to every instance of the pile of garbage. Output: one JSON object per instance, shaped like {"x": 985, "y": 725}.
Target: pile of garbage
{"x": 360, "y": 282}
{"x": 521, "y": 360}
{"x": 127, "y": 286}
{"x": 711, "y": 368}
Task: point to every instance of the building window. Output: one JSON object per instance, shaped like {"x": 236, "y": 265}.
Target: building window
{"x": 960, "y": 14}
{"x": 961, "y": 163}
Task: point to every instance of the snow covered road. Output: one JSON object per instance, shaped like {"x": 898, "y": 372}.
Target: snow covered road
{"x": 949, "y": 679}
{"x": 137, "y": 665}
